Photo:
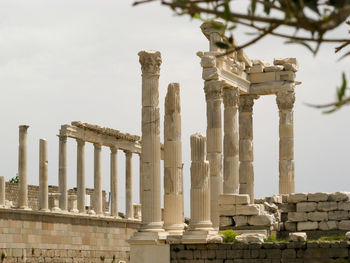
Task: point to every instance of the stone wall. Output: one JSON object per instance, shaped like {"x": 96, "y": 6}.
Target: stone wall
{"x": 56, "y": 237}
{"x": 285, "y": 252}
{"x": 33, "y": 194}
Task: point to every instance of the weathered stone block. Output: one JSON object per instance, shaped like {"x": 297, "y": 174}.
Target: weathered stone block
{"x": 327, "y": 206}
{"x": 317, "y": 197}
{"x": 285, "y": 75}
{"x": 277, "y": 199}
{"x": 255, "y": 69}
{"x": 306, "y": 207}
{"x": 302, "y": 226}
{"x": 297, "y": 236}
{"x": 273, "y": 68}
{"x": 226, "y": 221}
{"x": 290, "y": 226}
{"x": 287, "y": 207}
{"x": 297, "y": 216}
{"x": 208, "y": 62}
{"x": 317, "y": 216}
{"x": 282, "y": 61}
{"x": 338, "y": 215}
{"x": 290, "y": 67}
{"x": 344, "y": 206}
{"x": 210, "y": 74}
{"x": 328, "y": 225}
{"x": 344, "y": 225}
{"x": 261, "y": 62}
{"x": 249, "y": 209}
{"x": 262, "y": 77}
{"x": 251, "y": 238}
{"x": 296, "y": 198}
{"x": 261, "y": 220}
{"x": 240, "y": 220}
{"x": 236, "y": 199}
{"x": 339, "y": 196}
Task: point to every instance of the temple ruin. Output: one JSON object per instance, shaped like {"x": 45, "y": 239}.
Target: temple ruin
{"x": 221, "y": 172}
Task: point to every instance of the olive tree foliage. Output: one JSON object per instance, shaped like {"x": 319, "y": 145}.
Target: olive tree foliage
{"x": 303, "y": 22}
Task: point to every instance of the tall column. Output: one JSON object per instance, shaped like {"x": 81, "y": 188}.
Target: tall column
{"x": 22, "y": 167}
{"x": 81, "y": 192}
{"x": 62, "y": 172}
{"x": 97, "y": 180}
{"x": 246, "y": 154}
{"x": 285, "y": 101}
{"x": 173, "y": 176}
{"x": 114, "y": 181}
{"x": 213, "y": 95}
{"x": 2, "y": 191}
{"x": 43, "y": 176}
{"x": 231, "y": 140}
{"x": 150, "y": 156}
{"x": 128, "y": 185}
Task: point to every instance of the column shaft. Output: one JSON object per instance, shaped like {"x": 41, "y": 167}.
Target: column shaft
{"x": 213, "y": 94}
{"x": 114, "y": 181}
{"x": 231, "y": 140}
{"x": 98, "y": 206}
{"x": 150, "y": 156}
{"x": 62, "y": 172}
{"x": 43, "y": 176}
{"x": 246, "y": 155}
{"x": 22, "y": 167}
{"x": 2, "y": 190}
{"x": 173, "y": 176}
{"x": 285, "y": 101}
{"x": 81, "y": 192}
{"x": 128, "y": 185}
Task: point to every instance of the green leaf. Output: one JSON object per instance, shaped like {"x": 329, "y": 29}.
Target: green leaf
{"x": 222, "y": 45}
{"x": 342, "y": 89}
{"x": 230, "y": 39}
{"x": 313, "y": 5}
{"x": 227, "y": 11}
{"x": 253, "y": 6}
{"x": 266, "y": 7}
{"x": 232, "y": 27}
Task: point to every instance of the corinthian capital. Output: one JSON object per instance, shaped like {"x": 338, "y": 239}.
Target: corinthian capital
{"x": 246, "y": 102}
{"x": 213, "y": 90}
{"x": 150, "y": 62}
{"x": 231, "y": 97}
{"x": 285, "y": 100}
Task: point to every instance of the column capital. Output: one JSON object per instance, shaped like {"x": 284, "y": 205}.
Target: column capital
{"x": 285, "y": 100}
{"x": 246, "y": 102}
{"x": 150, "y": 62}
{"x": 113, "y": 149}
{"x": 23, "y": 127}
{"x": 128, "y": 153}
{"x": 213, "y": 90}
{"x": 80, "y": 142}
{"x": 62, "y": 138}
{"x": 231, "y": 96}
{"x": 97, "y": 146}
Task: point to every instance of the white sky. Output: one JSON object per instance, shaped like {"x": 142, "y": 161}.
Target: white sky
{"x": 63, "y": 60}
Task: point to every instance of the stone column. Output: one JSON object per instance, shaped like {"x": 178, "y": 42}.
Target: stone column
{"x": 200, "y": 224}
{"x": 62, "y": 172}
{"x": 2, "y": 191}
{"x": 114, "y": 182}
{"x": 246, "y": 155}
{"x": 150, "y": 156}
{"x": 173, "y": 176}
{"x": 43, "y": 176}
{"x": 285, "y": 101}
{"x": 231, "y": 140}
{"x": 213, "y": 95}
{"x": 81, "y": 191}
{"x": 128, "y": 185}
{"x": 98, "y": 207}
{"x": 22, "y": 167}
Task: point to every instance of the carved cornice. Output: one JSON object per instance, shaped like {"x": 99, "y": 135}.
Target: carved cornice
{"x": 285, "y": 100}
{"x": 150, "y": 62}
{"x": 231, "y": 97}
{"x": 246, "y": 102}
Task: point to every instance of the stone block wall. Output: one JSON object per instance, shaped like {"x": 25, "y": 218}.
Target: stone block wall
{"x": 285, "y": 252}
{"x": 33, "y": 194}
{"x": 56, "y": 237}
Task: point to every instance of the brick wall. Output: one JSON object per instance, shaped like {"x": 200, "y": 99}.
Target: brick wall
{"x": 53, "y": 237}
{"x": 285, "y": 252}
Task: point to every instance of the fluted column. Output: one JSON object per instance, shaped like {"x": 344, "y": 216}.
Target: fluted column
{"x": 150, "y": 156}
{"x": 62, "y": 172}
{"x": 285, "y": 101}
{"x": 231, "y": 140}
{"x": 246, "y": 154}
{"x": 43, "y": 176}
{"x": 213, "y": 95}
{"x": 2, "y": 191}
{"x": 22, "y": 167}
{"x": 98, "y": 207}
{"x": 81, "y": 192}
{"x": 173, "y": 176}
{"x": 114, "y": 181}
{"x": 128, "y": 185}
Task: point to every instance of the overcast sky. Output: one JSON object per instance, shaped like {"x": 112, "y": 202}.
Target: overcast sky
{"x": 64, "y": 60}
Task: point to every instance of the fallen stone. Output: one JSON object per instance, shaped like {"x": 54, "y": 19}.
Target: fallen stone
{"x": 306, "y": 207}
{"x": 250, "y": 238}
{"x": 327, "y": 206}
{"x": 317, "y": 197}
{"x": 347, "y": 234}
{"x": 255, "y": 69}
{"x": 287, "y": 207}
{"x": 317, "y": 216}
{"x": 339, "y": 196}
{"x": 261, "y": 220}
{"x": 296, "y": 198}
{"x": 298, "y": 236}
{"x": 297, "y": 216}
{"x": 276, "y": 199}
{"x": 282, "y": 61}
{"x": 240, "y": 221}
{"x": 273, "y": 68}
{"x": 302, "y": 226}
{"x": 261, "y": 62}
{"x": 344, "y": 225}
{"x": 272, "y": 208}
{"x": 328, "y": 225}
{"x": 290, "y": 67}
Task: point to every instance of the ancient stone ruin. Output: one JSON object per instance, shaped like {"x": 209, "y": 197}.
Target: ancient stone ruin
{"x": 64, "y": 228}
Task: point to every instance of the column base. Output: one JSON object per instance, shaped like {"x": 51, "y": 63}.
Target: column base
{"x": 148, "y": 238}
{"x": 175, "y": 229}
{"x": 143, "y": 253}
{"x": 25, "y": 208}
{"x": 199, "y": 236}
{"x": 46, "y": 210}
